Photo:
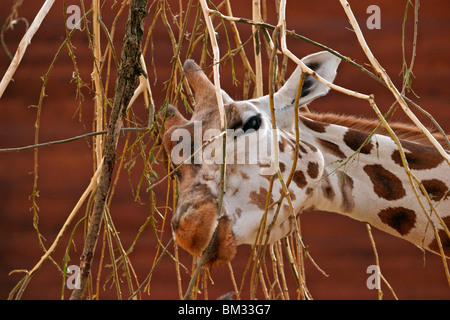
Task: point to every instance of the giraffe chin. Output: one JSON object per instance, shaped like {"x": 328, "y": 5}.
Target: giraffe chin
{"x": 194, "y": 233}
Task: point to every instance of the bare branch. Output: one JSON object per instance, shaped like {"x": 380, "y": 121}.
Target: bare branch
{"x": 23, "y": 45}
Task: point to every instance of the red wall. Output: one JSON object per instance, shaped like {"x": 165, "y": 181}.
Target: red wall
{"x": 339, "y": 245}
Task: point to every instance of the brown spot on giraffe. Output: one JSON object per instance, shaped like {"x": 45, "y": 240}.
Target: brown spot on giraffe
{"x": 385, "y": 184}
{"x": 244, "y": 175}
{"x": 313, "y": 169}
{"x": 419, "y": 157}
{"x": 292, "y": 194}
{"x": 399, "y": 218}
{"x": 355, "y": 139}
{"x": 331, "y": 148}
{"x": 314, "y": 125}
{"x": 281, "y": 146}
{"x": 292, "y": 142}
{"x": 445, "y": 240}
{"x": 327, "y": 188}
{"x": 346, "y": 185}
{"x": 260, "y": 198}
{"x": 310, "y": 146}
{"x": 282, "y": 166}
{"x": 299, "y": 179}
{"x": 301, "y": 148}
{"x": 285, "y": 143}
{"x": 436, "y": 189}
{"x": 238, "y": 212}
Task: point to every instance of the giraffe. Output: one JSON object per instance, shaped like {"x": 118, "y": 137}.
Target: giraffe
{"x": 339, "y": 167}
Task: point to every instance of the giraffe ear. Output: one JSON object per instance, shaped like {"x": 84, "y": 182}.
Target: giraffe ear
{"x": 324, "y": 64}
{"x": 205, "y": 92}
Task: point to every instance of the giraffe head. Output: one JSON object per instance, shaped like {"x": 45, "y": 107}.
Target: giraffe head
{"x": 195, "y": 148}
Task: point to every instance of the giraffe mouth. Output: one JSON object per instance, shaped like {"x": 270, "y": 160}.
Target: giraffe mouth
{"x": 197, "y": 229}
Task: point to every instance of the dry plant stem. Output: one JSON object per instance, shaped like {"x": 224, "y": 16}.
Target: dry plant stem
{"x": 109, "y": 226}
{"x": 256, "y": 16}
{"x": 233, "y": 281}
{"x": 239, "y": 43}
{"x": 128, "y": 74}
{"x": 23, "y": 45}
{"x": 97, "y": 79}
{"x": 146, "y": 280}
{"x": 55, "y": 142}
{"x": 91, "y": 187}
{"x": 377, "y": 261}
{"x": 110, "y": 51}
{"x": 272, "y": 77}
{"x": 216, "y": 59}
{"x": 382, "y": 73}
{"x": 158, "y": 236}
{"x": 279, "y": 256}
{"x": 408, "y": 70}
{"x": 145, "y": 89}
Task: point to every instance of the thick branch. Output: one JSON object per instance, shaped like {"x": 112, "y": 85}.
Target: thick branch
{"x": 127, "y": 79}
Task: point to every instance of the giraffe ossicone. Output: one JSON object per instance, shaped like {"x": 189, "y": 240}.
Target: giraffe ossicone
{"x": 340, "y": 167}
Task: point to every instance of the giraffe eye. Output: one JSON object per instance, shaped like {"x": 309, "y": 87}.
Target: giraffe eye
{"x": 252, "y": 123}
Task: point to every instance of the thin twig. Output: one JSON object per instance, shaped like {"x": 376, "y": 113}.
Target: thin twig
{"x": 256, "y": 15}
{"x": 23, "y": 45}
{"x": 56, "y": 142}
{"x": 377, "y": 261}
{"x": 99, "y": 92}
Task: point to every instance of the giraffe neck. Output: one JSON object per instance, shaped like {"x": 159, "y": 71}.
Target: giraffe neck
{"x": 370, "y": 184}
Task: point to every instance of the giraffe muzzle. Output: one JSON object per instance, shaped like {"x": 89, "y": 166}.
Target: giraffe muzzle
{"x": 197, "y": 227}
